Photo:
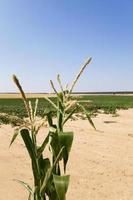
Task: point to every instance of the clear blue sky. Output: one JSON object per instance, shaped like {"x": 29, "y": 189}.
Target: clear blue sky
{"x": 39, "y": 39}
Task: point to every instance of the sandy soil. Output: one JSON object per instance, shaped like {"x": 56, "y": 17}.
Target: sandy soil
{"x": 101, "y": 162}
{"x": 28, "y": 95}
{"x": 42, "y": 95}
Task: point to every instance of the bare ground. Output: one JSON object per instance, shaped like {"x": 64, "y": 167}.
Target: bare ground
{"x": 100, "y": 164}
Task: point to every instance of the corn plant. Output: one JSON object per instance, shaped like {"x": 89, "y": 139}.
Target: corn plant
{"x": 49, "y": 175}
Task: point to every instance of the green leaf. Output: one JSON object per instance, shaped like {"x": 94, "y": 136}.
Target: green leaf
{"x": 16, "y": 132}
{"x": 90, "y": 120}
{"x": 31, "y": 150}
{"x": 44, "y": 165}
{"x": 61, "y": 185}
{"x": 60, "y": 121}
{"x": 69, "y": 115}
{"x": 42, "y": 147}
{"x": 55, "y": 147}
{"x": 54, "y": 143}
{"x": 66, "y": 139}
{"x": 87, "y": 115}
{"x": 28, "y": 142}
{"x": 50, "y": 191}
{"x": 49, "y": 172}
{"x": 26, "y": 186}
{"x": 53, "y": 104}
{"x": 49, "y": 118}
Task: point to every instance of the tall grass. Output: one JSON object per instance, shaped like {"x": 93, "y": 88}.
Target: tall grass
{"x": 50, "y": 179}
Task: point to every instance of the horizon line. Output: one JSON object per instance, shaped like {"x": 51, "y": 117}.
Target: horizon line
{"x": 77, "y": 92}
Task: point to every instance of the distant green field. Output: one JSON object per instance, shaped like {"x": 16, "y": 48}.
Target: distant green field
{"x": 16, "y": 106}
{"x": 108, "y": 103}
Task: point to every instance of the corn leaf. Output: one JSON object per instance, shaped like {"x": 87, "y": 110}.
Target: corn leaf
{"x": 61, "y": 185}
{"x": 49, "y": 118}
{"x": 66, "y": 139}
{"x": 16, "y": 132}
{"x": 31, "y": 150}
{"x": 26, "y": 186}
{"x": 51, "y": 192}
{"x": 69, "y": 116}
{"x": 87, "y": 115}
{"x": 90, "y": 120}
{"x": 42, "y": 147}
{"x": 52, "y": 103}
{"x": 28, "y": 142}
{"x": 44, "y": 165}
{"x": 54, "y": 143}
{"x": 49, "y": 172}
{"x": 60, "y": 121}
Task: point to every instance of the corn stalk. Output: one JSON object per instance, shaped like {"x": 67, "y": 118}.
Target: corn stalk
{"x": 50, "y": 181}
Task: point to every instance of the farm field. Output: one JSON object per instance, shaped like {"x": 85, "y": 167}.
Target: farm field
{"x": 108, "y": 103}
{"x": 104, "y": 168}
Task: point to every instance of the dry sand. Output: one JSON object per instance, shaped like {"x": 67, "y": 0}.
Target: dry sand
{"x": 28, "y": 95}
{"x": 101, "y": 162}
{"x": 42, "y": 95}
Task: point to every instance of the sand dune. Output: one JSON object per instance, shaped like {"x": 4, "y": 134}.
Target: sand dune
{"x": 101, "y": 162}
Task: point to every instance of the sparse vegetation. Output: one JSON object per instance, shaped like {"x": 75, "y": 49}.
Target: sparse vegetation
{"x": 10, "y": 119}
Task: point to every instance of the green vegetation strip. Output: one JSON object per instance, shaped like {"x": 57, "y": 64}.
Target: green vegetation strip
{"x": 108, "y": 103}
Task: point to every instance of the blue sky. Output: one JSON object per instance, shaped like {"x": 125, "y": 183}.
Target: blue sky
{"x": 39, "y": 39}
